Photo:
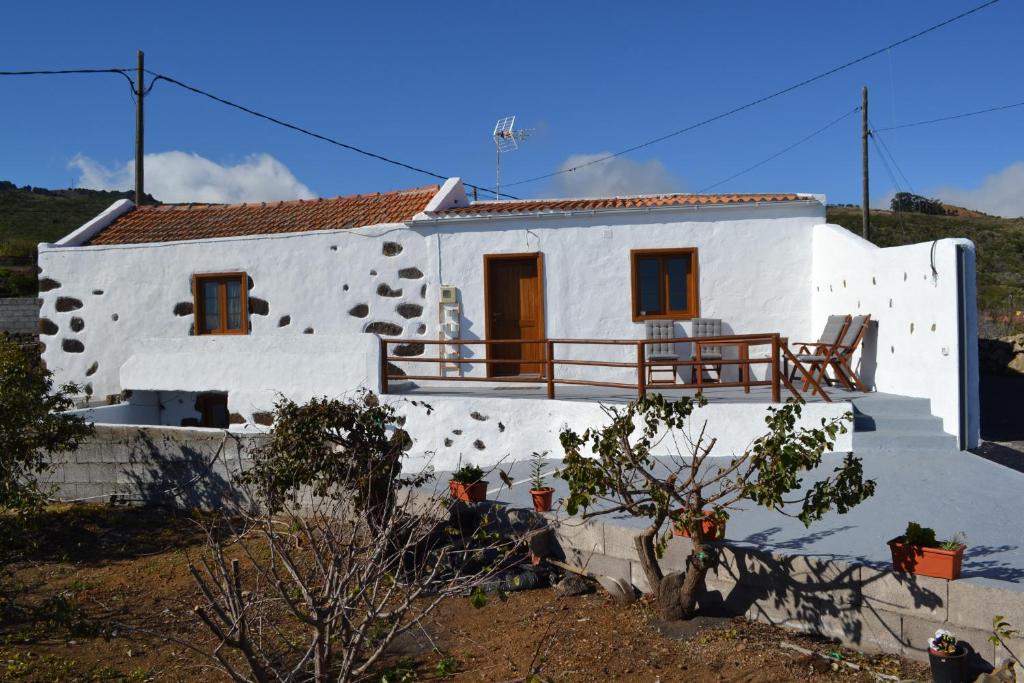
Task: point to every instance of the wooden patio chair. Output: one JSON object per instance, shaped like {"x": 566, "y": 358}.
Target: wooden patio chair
{"x": 664, "y": 351}
{"x": 707, "y": 327}
{"x": 842, "y": 361}
{"x": 818, "y": 354}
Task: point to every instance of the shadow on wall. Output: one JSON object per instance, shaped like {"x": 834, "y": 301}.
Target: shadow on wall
{"x": 170, "y": 473}
{"x": 868, "y": 362}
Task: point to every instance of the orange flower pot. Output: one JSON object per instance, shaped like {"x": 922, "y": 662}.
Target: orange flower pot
{"x": 542, "y": 498}
{"x": 713, "y": 531}
{"x": 936, "y": 562}
{"x": 468, "y": 493}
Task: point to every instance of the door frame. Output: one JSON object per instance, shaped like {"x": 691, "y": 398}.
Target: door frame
{"x": 538, "y": 256}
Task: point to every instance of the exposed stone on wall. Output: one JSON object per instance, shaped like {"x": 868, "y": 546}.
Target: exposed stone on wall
{"x": 392, "y": 249}
{"x": 478, "y": 416}
{"x": 235, "y": 419}
{"x": 410, "y": 273}
{"x": 72, "y": 346}
{"x": 384, "y": 328}
{"x": 479, "y": 445}
{"x": 383, "y": 289}
{"x": 410, "y": 349}
{"x": 47, "y": 284}
{"x": 1003, "y": 356}
{"x": 423, "y": 292}
{"x": 48, "y": 327}
{"x": 67, "y": 303}
{"x": 77, "y": 324}
{"x": 285, "y": 321}
{"x": 183, "y": 308}
{"x": 92, "y": 369}
{"x": 263, "y": 419}
{"x": 258, "y": 306}
{"x": 359, "y": 311}
{"x": 421, "y": 328}
{"x": 409, "y": 311}
{"x": 97, "y": 292}
{"x": 308, "y": 330}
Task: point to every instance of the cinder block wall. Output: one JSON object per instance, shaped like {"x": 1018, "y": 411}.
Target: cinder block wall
{"x": 865, "y": 607}
{"x": 20, "y": 315}
{"x": 190, "y": 468}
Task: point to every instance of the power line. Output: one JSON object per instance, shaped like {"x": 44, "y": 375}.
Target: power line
{"x": 885, "y": 147}
{"x": 781, "y": 152}
{"x": 318, "y": 136}
{"x": 62, "y": 72}
{"x": 760, "y": 100}
{"x": 955, "y": 116}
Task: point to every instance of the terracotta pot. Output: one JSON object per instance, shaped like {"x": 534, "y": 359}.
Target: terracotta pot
{"x": 468, "y": 493}
{"x": 948, "y": 668}
{"x": 936, "y": 562}
{"x": 713, "y": 531}
{"x": 542, "y": 498}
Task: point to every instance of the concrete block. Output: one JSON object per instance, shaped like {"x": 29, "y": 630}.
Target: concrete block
{"x": 76, "y": 473}
{"x": 917, "y": 632}
{"x": 922, "y": 597}
{"x": 974, "y": 605}
{"x": 676, "y": 552}
{"x": 602, "y": 564}
{"x": 587, "y": 537}
{"x": 639, "y": 578}
{"x": 619, "y": 541}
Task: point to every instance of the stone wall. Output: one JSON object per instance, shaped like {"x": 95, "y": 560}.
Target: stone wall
{"x": 1002, "y": 356}
{"x": 20, "y": 315}
{"x": 866, "y": 607}
{"x": 156, "y": 465}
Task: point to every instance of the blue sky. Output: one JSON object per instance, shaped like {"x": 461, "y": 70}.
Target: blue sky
{"x": 424, "y": 83}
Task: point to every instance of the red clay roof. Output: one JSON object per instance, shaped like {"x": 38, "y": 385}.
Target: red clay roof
{"x": 638, "y": 202}
{"x": 175, "y": 222}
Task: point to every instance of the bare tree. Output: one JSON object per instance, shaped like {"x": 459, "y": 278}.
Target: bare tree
{"x": 638, "y": 466}
{"x": 317, "y": 583}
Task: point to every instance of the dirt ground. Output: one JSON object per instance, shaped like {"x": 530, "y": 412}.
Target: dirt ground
{"x": 106, "y": 593}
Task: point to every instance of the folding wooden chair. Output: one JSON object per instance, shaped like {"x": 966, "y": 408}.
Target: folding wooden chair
{"x": 664, "y": 351}
{"x": 842, "y": 361}
{"x": 817, "y": 355}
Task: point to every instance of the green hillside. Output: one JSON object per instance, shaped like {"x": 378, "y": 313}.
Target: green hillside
{"x": 999, "y": 243}
{"x": 30, "y": 215}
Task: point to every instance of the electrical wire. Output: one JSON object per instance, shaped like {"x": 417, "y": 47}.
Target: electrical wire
{"x": 895, "y": 182}
{"x": 306, "y": 131}
{"x": 760, "y": 100}
{"x": 782, "y": 151}
{"x": 892, "y": 158}
{"x": 62, "y": 72}
{"x": 951, "y": 118}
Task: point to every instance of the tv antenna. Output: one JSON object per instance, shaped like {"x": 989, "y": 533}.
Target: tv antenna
{"x": 506, "y": 139}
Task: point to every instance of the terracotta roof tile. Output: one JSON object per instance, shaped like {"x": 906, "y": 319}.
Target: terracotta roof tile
{"x": 175, "y": 222}
{"x": 518, "y": 206}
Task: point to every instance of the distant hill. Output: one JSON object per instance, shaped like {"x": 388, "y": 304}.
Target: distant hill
{"x": 999, "y": 243}
{"x": 30, "y": 215}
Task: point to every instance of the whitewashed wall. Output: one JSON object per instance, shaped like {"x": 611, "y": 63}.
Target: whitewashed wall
{"x": 913, "y": 348}
{"x": 755, "y": 269}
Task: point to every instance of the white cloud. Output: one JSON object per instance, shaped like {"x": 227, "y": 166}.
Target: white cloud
{"x": 1001, "y": 194}
{"x": 618, "y": 176}
{"x": 183, "y": 177}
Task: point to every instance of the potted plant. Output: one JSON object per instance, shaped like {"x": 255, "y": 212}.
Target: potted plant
{"x": 712, "y": 525}
{"x": 467, "y": 484}
{"x": 541, "y": 493}
{"x": 946, "y": 657}
{"x": 917, "y": 551}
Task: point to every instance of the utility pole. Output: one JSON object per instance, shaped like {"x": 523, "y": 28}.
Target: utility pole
{"x": 865, "y": 207}
{"x": 139, "y": 171}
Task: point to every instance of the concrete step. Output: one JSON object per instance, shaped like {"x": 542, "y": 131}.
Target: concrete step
{"x": 884, "y": 422}
{"x": 900, "y": 441}
{"x": 892, "y": 406}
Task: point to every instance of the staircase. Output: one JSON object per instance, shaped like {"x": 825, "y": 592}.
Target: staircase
{"x": 889, "y": 423}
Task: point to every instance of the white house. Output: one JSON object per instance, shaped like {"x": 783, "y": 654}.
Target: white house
{"x": 205, "y": 313}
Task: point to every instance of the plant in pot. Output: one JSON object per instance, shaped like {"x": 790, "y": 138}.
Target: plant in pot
{"x": 467, "y": 484}
{"x": 712, "y": 524}
{"x": 538, "y": 490}
{"x": 919, "y": 552}
{"x": 946, "y": 656}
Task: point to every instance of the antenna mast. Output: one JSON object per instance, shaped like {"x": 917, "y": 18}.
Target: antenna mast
{"x": 506, "y": 139}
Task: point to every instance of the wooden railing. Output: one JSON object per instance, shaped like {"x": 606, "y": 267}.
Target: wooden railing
{"x": 779, "y": 360}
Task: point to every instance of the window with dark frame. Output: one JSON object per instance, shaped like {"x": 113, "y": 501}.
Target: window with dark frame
{"x": 221, "y": 303}
{"x": 664, "y": 283}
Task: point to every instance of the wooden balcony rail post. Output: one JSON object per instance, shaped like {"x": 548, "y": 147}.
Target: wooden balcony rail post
{"x": 550, "y": 359}
{"x": 776, "y": 390}
{"x": 383, "y": 366}
{"x": 640, "y": 370}
{"x": 699, "y": 367}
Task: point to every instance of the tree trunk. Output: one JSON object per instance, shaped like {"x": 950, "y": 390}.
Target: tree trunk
{"x": 648, "y": 557}
{"x": 693, "y": 583}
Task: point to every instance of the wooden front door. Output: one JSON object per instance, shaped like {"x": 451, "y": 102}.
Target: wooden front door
{"x": 514, "y": 295}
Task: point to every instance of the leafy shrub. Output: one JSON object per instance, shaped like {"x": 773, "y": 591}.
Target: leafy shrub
{"x": 468, "y": 474}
